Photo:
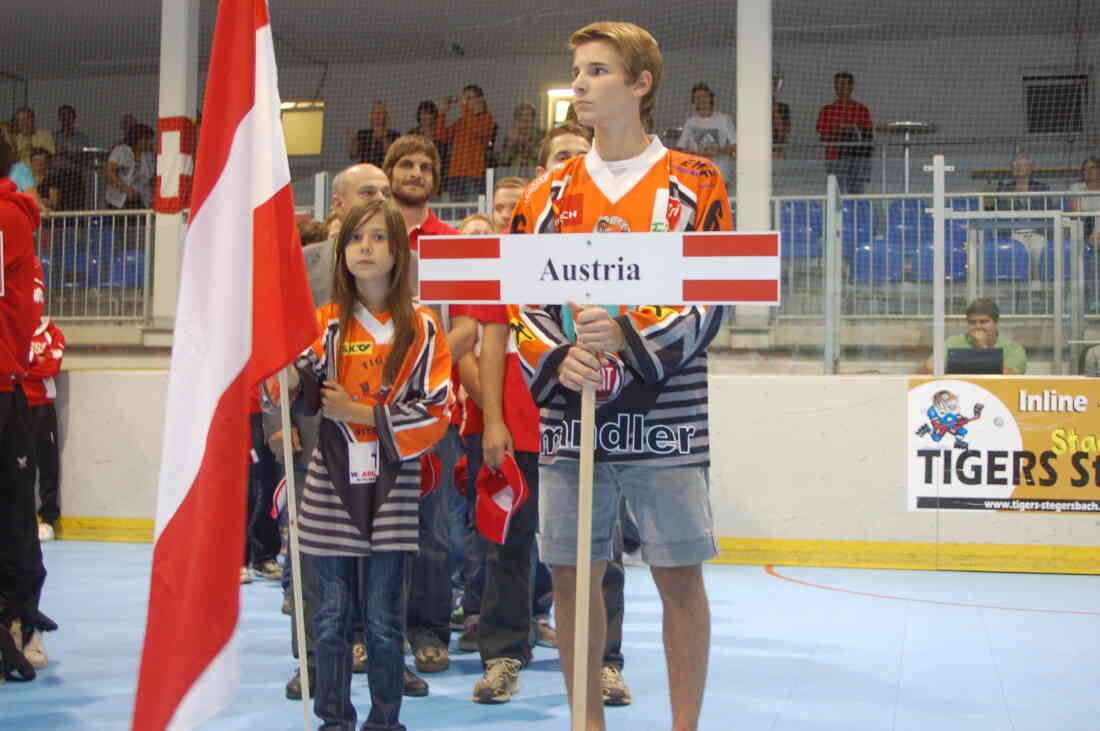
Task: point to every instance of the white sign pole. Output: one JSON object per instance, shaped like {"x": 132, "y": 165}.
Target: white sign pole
{"x": 711, "y": 268}
{"x": 583, "y": 603}
{"x": 294, "y": 552}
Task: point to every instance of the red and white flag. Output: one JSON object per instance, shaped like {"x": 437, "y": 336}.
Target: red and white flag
{"x": 244, "y": 311}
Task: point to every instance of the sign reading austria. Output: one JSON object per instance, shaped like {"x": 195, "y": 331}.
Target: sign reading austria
{"x": 1024, "y": 445}
{"x": 684, "y": 268}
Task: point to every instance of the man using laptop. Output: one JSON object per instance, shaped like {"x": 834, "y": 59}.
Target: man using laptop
{"x": 982, "y": 332}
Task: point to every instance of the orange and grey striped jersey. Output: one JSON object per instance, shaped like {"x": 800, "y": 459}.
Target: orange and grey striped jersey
{"x": 653, "y": 407}
{"x": 410, "y": 417}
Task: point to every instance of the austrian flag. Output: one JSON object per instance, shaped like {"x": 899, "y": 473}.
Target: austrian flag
{"x": 244, "y": 311}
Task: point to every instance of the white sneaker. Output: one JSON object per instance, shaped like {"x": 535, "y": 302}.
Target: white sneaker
{"x": 35, "y": 651}
{"x": 45, "y": 532}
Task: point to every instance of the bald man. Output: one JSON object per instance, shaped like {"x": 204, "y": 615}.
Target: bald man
{"x": 351, "y": 187}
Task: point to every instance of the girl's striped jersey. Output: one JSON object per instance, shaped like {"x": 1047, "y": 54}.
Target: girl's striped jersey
{"x": 411, "y": 416}
{"x": 656, "y": 408}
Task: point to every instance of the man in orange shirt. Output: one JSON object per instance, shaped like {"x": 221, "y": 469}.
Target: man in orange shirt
{"x": 470, "y": 137}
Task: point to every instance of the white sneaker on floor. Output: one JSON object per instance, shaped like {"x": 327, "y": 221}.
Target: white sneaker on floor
{"x": 35, "y": 651}
{"x": 45, "y": 532}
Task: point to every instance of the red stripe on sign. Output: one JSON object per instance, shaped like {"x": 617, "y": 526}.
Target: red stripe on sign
{"x": 483, "y": 291}
{"x": 459, "y": 247}
{"x": 731, "y": 244}
{"x": 731, "y": 290}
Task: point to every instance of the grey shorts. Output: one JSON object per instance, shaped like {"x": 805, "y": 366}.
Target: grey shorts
{"x": 671, "y": 506}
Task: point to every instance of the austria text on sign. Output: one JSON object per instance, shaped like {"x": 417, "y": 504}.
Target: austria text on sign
{"x": 687, "y": 268}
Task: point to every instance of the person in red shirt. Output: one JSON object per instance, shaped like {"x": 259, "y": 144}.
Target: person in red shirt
{"x": 412, "y": 166}
{"x": 47, "y": 350}
{"x": 22, "y": 572}
{"x": 470, "y": 138}
{"x": 847, "y": 121}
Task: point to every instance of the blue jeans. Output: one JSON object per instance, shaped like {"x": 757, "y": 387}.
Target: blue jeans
{"x": 473, "y": 554}
{"x": 429, "y": 597}
{"x": 370, "y": 586}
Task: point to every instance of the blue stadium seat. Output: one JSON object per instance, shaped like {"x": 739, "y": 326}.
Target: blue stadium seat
{"x": 802, "y": 215}
{"x": 798, "y": 242}
{"x": 857, "y": 226}
{"x": 909, "y": 212}
{"x": 1006, "y": 260}
{"x": 877, "y": 261}
{"x": 968, "y": 203}
{"x": 1046, "y": 261}
{"x": 127, "y": 270}
{"x": 954, "y": 271}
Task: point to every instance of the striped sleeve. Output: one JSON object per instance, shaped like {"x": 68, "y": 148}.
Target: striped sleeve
{"x": 661, "y": 340}
{"x": 541, "y": 346}
{"x": 314, "y": 364}
{"x": 417, "y": 417}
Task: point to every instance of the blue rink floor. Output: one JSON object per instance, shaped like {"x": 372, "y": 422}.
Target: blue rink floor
{"x": 849, "y": 649}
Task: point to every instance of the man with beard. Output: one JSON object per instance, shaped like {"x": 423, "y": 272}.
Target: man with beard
{"x": 413, "y": 167}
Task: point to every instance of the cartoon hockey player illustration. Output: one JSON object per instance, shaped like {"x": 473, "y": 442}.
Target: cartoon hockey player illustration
{"x": 944, "y": 418}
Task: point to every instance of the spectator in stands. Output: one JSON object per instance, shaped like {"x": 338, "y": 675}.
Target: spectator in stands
{"x": 1023, "y": 180}
{"x": 69, "y": 161}
{"x": 127, "y": 124}
{"x": 47, "y": 350}
{"x": 130, "y": 169}
{"x": 521, "y": 142}
{"x": 27, "y": 136}
{"x": 426, "y": 115}
{"x": 847, "y": 121}
{"x": 781, "y": 120}
{"x": 312, "y": 232}
{"x": 370, "y": 145}
{"x": 505, "y": 196}
{"x": 983, "y": 331}
{"x": 22, "y": 572}
{"x": 47, "y": 186}
{"x": 1090, "y": 181}
{"x": 471, "y": 140}
{"x": 709, "y": 133}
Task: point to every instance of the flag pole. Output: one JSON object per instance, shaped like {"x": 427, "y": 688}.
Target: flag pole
{"x": 293, "y": 553}
{"x": 583, "y": 602}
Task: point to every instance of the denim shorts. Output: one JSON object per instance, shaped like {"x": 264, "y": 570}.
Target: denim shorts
{"x": 671, "y": 506}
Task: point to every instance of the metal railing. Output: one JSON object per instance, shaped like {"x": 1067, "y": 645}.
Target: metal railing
{"x": 97, "y": 265}
{"x": 886, "y": 253}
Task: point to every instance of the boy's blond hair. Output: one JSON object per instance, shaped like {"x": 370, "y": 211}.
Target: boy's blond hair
{"x": 510, "y": 182}
{"x": 637, "y": 47}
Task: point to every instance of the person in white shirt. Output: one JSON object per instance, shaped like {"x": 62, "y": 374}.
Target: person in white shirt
{"x": 710, "y": 133}
{"x": 130, "y": 170}
{"x": 1090, "y": 181}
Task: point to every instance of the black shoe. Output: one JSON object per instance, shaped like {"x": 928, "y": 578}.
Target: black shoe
{"x": 294, "y": 685}
{"x": 12, "y": 660}
{"x": 415, "y": 687}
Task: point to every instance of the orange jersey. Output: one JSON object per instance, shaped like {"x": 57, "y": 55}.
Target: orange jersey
{"x": 654, "y": 406}
{"x": 416, "y": 408}
{"x": 663, "y": 190}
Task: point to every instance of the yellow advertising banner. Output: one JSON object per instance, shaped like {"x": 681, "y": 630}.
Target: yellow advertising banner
{"x": 1004, "y": 444}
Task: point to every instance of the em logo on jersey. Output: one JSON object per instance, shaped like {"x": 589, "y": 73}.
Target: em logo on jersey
{"x": 612, "y": 373}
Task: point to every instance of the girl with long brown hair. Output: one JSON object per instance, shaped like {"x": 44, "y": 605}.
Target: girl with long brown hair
{"x": 379, "y": 372}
